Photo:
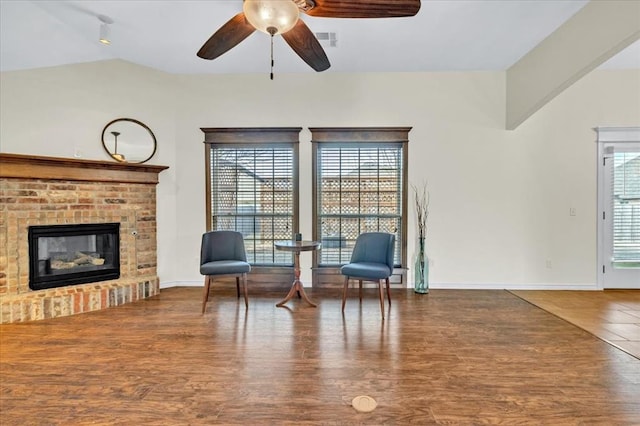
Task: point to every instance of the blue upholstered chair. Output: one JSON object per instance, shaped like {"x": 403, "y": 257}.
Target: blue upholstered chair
{"x": 222, "y": 254}
{"x": 371, "y": 260}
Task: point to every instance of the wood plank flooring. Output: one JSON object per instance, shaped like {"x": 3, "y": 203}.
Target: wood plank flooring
{"x": 612, "y": 315}
{"x": 450, "y": 357}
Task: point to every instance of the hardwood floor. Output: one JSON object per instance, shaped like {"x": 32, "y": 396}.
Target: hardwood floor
{"x": 450, "y": 357}
{"x": 612, "y": 315}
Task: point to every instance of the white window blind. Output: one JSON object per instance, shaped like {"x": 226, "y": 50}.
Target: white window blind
{"x": 626, "y": 208}
{"x": 359, "y": 189}
{"x": 252, "y": 191}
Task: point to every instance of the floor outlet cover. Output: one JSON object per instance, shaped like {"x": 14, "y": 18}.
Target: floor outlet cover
{"x": 364, "y": 403}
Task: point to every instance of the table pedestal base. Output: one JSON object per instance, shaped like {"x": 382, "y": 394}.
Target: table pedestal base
{"x": 296, "y": 287}
{"x": 296, "y": 247}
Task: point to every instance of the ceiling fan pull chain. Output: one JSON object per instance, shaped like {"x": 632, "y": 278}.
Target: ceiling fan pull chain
{"x": 271, "y": 56}
{"x": 272, "y": 32}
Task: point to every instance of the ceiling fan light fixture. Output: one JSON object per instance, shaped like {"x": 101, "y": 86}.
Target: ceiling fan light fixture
{"x": 265, "y": 15}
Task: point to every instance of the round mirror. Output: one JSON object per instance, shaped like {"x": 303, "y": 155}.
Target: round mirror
{"x": 129, "y": 141}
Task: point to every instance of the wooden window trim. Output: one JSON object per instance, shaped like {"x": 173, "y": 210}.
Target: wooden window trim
{"x": 250, "y": 136}
{"x": 330, "y": 276}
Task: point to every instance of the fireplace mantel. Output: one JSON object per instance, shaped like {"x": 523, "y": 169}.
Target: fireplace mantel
{"x": 56, "y": 168}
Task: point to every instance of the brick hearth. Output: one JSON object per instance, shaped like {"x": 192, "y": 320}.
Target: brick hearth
{"x": 54, "y": 191}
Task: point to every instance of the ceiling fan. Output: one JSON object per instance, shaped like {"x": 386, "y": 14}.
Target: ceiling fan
{"x": 282, "y": 17}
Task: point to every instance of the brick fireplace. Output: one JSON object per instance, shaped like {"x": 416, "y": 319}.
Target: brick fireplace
{"x": 39, "y": 191}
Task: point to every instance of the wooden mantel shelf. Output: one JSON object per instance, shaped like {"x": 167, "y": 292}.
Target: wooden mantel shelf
{"x": 56, "y": 168}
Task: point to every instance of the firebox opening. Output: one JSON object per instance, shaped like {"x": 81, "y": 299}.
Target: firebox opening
{"x": 62, "y": 255}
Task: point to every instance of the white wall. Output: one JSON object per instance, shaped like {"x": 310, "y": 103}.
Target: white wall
{"x": 499, "y": 199}
{"x": 61, "y": 111}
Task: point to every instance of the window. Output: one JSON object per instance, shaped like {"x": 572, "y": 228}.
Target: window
{"x": 252, "y": 187}
{"x": 619, "y": 203}
{"x": 359, "y": 186}
{"x": 626, "y": 208}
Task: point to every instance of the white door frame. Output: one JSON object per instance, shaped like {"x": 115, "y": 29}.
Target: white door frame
{"x": 607, "y": 135}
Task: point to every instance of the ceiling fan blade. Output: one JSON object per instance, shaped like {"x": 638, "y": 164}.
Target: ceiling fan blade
{"x": 307, "y": 46}
{"x": 364, "y": 8}
{"x": 227, "y": 37}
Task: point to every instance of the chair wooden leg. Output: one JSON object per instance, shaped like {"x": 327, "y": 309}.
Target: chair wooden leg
{"x": 344, "y": 292}
{"x": 381, "y": 298}
{"x": 205, "y": 296}
{"x": 246, "y": 292}
{"x": 360, "y": 289}
{"x": 388, "y": 291}
{"x": 238, "y": 287}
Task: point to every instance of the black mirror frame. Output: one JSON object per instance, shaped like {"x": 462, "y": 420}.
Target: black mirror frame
{"x": 132, "y": 120}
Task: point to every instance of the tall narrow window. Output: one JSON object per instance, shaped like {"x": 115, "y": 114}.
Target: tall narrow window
{"x": 619, "y": 201}
{"x": 253, "y": 188}
{"x": 359, "y": 186}
{"x": 626, "y": 208}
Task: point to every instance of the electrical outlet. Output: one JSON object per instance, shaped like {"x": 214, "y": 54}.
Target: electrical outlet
{"x": 549, "y": 264}
{"x": 572, "y": 211}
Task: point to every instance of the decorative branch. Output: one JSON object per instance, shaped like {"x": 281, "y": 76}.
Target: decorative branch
{"x": 421, "y": 196}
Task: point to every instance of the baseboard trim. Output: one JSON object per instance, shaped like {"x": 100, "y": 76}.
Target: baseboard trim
{"x": 446, "y": 286}
{"x": 192, "y": 283}
{"x": 512, "y": 286}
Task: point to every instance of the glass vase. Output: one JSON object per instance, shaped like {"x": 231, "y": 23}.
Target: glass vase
{"x": 421, "y": 269}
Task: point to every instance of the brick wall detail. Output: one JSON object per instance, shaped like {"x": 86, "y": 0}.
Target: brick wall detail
{"x": 27, "y": 202}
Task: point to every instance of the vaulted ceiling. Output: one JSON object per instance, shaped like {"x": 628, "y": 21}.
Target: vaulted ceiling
{"x": 445, "y": 35}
